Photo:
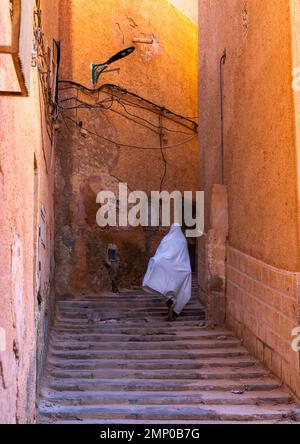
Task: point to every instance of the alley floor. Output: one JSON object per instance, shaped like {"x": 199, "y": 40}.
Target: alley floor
{"x": 115, "y": 359}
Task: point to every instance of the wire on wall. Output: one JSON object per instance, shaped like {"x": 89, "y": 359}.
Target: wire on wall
{"x": 47, "y": 61}
{"x": 120, "y": 101}
{"x": 142, "y": 102}
{"x": 125, "y": 145}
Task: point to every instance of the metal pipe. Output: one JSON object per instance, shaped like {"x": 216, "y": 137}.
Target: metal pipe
{"x": 222, "y": 63}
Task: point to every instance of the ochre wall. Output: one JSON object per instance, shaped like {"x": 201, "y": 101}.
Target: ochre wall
{"x": 22, "y": 318}
{"x": 164, "y": 72}
{"x": 260, "y": 157}
{"x": 295, "y": 27}
{"x": 261, "y": 174}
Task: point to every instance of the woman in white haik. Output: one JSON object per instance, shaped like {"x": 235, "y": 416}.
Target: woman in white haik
{"x": 169, "y": 272}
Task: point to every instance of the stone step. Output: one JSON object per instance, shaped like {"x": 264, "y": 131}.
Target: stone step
{"x": 133, "y": 335}
{"x": 143, "y": 328}
{"x": 151, "y": 303}
{"x": 167, "y": 374}
{"x": 48, "y": 420}
{"x": 149, "y": 354}
{"x": 122, "y": 314}
{"x": 113, "y": 301}
{"x": 86, "y": 364}
{"x": 94, "y": 327}
{"x": 191, "y": 344}
{"x": 156, "y": 302}
{"x": 182, "y": 412}
{"x": 161, "y": 398}
{"x": 116, "y": 359}
{"x": 154, "y": 385}
{"x": 148, "y": 318}
{"x": 132, "y": 306}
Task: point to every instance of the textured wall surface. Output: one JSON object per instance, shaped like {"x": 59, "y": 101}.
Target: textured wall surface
{"x": 259, "y": 133}
{"x": 263, "y": 309}
{"x": 164, "y": 72}
{"x": 295, "y": 26}
{"x": 25, "y": 185}
{"x": 260, "y": 168}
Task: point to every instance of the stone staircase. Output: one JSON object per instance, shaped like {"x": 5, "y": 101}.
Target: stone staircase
{"x": 115, "y": 359}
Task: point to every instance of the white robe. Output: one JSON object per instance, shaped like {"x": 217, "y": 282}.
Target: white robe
{"x": 169, "y": 271}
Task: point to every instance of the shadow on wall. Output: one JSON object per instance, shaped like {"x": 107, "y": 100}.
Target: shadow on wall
{"x": 87, "y": 162}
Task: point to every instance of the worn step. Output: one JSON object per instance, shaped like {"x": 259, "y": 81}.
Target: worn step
{"x": 94, "y": 364}
{"x": 149, "y": 354}
{"x": 53, "y": 420}
{"x": 123, "y": 334}
{"x": 120, "y": 328}
{"x": 141, "y": 296}
{"x": 208, "y": 373}
{"x": 133, "y": 309}
{"x": 212, "y": 412}
{"x": 147, "y": 318}
{"x": 116, "y": 359}
{"x": 124, "y": 345}
{"x": 144, "y": 398}
{"x": 139, "y": 303}
{"x": 121, "y": 306}
{"x": 96, "y": 327}
{"x": 79, "y": 384}
{"x": 130, "y": 304}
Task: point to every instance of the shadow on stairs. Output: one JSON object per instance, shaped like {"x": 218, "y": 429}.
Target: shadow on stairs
{"x": 115, "y": 359}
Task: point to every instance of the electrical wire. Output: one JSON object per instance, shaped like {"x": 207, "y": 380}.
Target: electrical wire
{"x": 111, "y": 100}
{"x": 124, "y": 145}
{"x": 84, "y": 105}
{"x": 120, "y": 90}
{"x": 88, "y": 105}
{"x": 132, "y": 120}
{"x": 150, "y": 123}
{"x": 154, "y": 128}
{"x": 138, "y": 106}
